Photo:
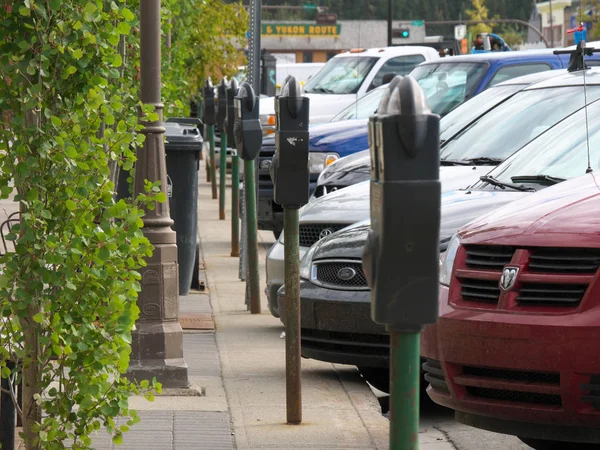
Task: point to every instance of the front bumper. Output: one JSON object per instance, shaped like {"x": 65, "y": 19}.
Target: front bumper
{"x": 276, "y": 274}
{"x": 337, "y": 327}
{"x": 531, "y": 375}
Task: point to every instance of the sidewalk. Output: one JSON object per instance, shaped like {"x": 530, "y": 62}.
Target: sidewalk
{"x": 240, "y": 369}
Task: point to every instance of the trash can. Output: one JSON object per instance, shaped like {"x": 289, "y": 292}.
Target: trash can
{"x": 182, "y": 148}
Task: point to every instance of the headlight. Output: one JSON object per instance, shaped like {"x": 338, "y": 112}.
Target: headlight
{"x": 268, "y": 122}
{"x": 318, "y": 161}
{"x": 306, "y": 264}
{"x": 447, "y": 260}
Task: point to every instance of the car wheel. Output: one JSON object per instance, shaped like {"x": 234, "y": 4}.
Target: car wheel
{"x": 378, "y": 377}
{"x": 543, "y": 444}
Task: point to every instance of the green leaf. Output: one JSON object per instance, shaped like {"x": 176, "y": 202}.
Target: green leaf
{"x": 117, "y": 60}
{"x": 122, "y": 126}
{"x": 118, "y": 438}
{"x": 24, "y": 11}
{"x": 77, "y": 53}
{"x": 161, "y": 197}
{"x": 90, "y": 8}
{"x": 123, "y": 28}
{"x": 56, "y": 121}
{"x": 70, "y": 204}
{"x": 127, "y": 14}
{"x": 38, "y": 318}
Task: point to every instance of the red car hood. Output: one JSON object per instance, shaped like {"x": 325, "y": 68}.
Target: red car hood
{"x": 567, "y": 214}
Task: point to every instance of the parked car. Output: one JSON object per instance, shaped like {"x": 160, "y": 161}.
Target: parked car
{"x": 353, "y": 135}
{"x": 487, "y": 142}
{"x": 302, "y": 71}
{"x": 357, "y": 167}
{"x": 329, "y": 303}
{"x": 347, "y": 77}
{"x": 515, "y": 348}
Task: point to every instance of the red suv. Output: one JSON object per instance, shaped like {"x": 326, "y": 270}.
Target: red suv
{"x": 517, "y": 346}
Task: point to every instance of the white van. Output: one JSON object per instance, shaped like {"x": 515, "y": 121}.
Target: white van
{"x": 302, "y": 71}
{"x": 347, "y": 77}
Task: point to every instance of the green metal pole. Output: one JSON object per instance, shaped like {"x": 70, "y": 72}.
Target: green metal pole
{"x": 291, "y": 262}
{"x": 235, "y": 205}
{"x": 213, "y": 170}
{"x": 222, "y": 175}
{"x": 404, "y": 396}
{"x": 251, "y": 236}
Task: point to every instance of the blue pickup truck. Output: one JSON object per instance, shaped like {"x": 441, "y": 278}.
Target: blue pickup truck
{"x": 447, "y": 82}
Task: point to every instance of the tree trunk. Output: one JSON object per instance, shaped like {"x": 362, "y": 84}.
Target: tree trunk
{"x": 32, "y": 412}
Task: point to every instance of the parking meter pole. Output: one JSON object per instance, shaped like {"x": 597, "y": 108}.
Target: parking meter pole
{"x": 235, "y": 205}
{"x": 404, "y": 396}
{"x": 222, "y": 176}
{"x": 252, "y": 236}
{"x": 292, "y": 312}
{"x": 213, "y": 170}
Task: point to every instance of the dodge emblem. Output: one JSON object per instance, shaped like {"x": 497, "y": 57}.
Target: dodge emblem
{"x": 325, "y": 232}
{"x": 509, "y": 276}
{"x": 346, "y": 273}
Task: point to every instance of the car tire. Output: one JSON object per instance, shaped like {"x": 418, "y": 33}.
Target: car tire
{"x": 378, "y": 377}
{"x": 543, "y": 444}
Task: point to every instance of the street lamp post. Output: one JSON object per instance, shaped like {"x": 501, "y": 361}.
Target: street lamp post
{"x": 157, "y": 341}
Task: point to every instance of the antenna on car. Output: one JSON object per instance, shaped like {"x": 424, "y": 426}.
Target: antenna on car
{"x": 576, "y": 63}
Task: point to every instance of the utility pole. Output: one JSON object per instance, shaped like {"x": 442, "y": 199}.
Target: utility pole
{"x": 157, "y": 341}
{"x": 389, "y": 23}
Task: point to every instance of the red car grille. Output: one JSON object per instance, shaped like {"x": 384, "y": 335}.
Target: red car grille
{"x": 547, "y": 277}
{"x": 504, "y": 385}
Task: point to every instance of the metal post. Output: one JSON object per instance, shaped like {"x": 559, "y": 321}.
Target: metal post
{"x": 213, "y": 169}
{"x": 251, "y": 237}
{"x": 223, "y": 175}
{"x": 251, "y": 243}
{"x": 157, "y": 341}
{"x": 404, "y": 395}
{"x": 551, "y": 25}
{"x": 389, "y": 23}
{"x": 292, "y": 313}
{"x": 235, "y": 205}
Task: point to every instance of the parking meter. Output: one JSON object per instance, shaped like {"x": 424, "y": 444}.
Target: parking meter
{"x": 221, "y": 104}
{"x": 401, "y": 256}
{"x": 246, "y": 128}
{"x": 209, "y": 103}
{"x": 232, "y": 91}
{"x": 289, "y": 168}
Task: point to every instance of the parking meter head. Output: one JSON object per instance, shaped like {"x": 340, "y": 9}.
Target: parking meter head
{"x": 247, "y": 130}
{"x": 208, "y": 92}
{"x": 232, "y": 91}
{"x": 401, "y": 255}
{"x": 289, "y": 168}
{"x": 222, "y": 104}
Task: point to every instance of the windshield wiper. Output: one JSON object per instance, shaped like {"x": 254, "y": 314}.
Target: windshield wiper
{"x": 485, "y": 161}
{"x": 453, "y": 162}
{"x": 493, "y": 181}
{"x": 550, "y": 180}
{"x": 320, "y": 90}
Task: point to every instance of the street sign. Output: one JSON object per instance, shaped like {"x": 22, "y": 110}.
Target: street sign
{"x": 300, "y": 29}
{"x": 460, "y": 32}
{"x": 417, "y": 23}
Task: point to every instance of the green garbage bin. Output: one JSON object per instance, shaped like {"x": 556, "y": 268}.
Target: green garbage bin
{"x": 182, "y": 148}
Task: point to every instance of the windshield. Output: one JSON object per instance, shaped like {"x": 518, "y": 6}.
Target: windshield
{"x": 561, "y": 152}
{"x": 526, "y": 115}
{"x": 363, "y": 108}
{"x": 466, "y": 113}
{"x": 341, "y": 75}
{"x": 448, "y": 85}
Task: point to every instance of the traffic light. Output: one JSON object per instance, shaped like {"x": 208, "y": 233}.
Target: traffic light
{"x": 403, "y": 33}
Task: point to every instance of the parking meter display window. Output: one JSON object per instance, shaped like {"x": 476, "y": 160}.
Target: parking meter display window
{"x": 209, "y": 104}
{"x": 232, "y": 91}
{"x": 221, "y": 104}
{"x": 182, "y": 148}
